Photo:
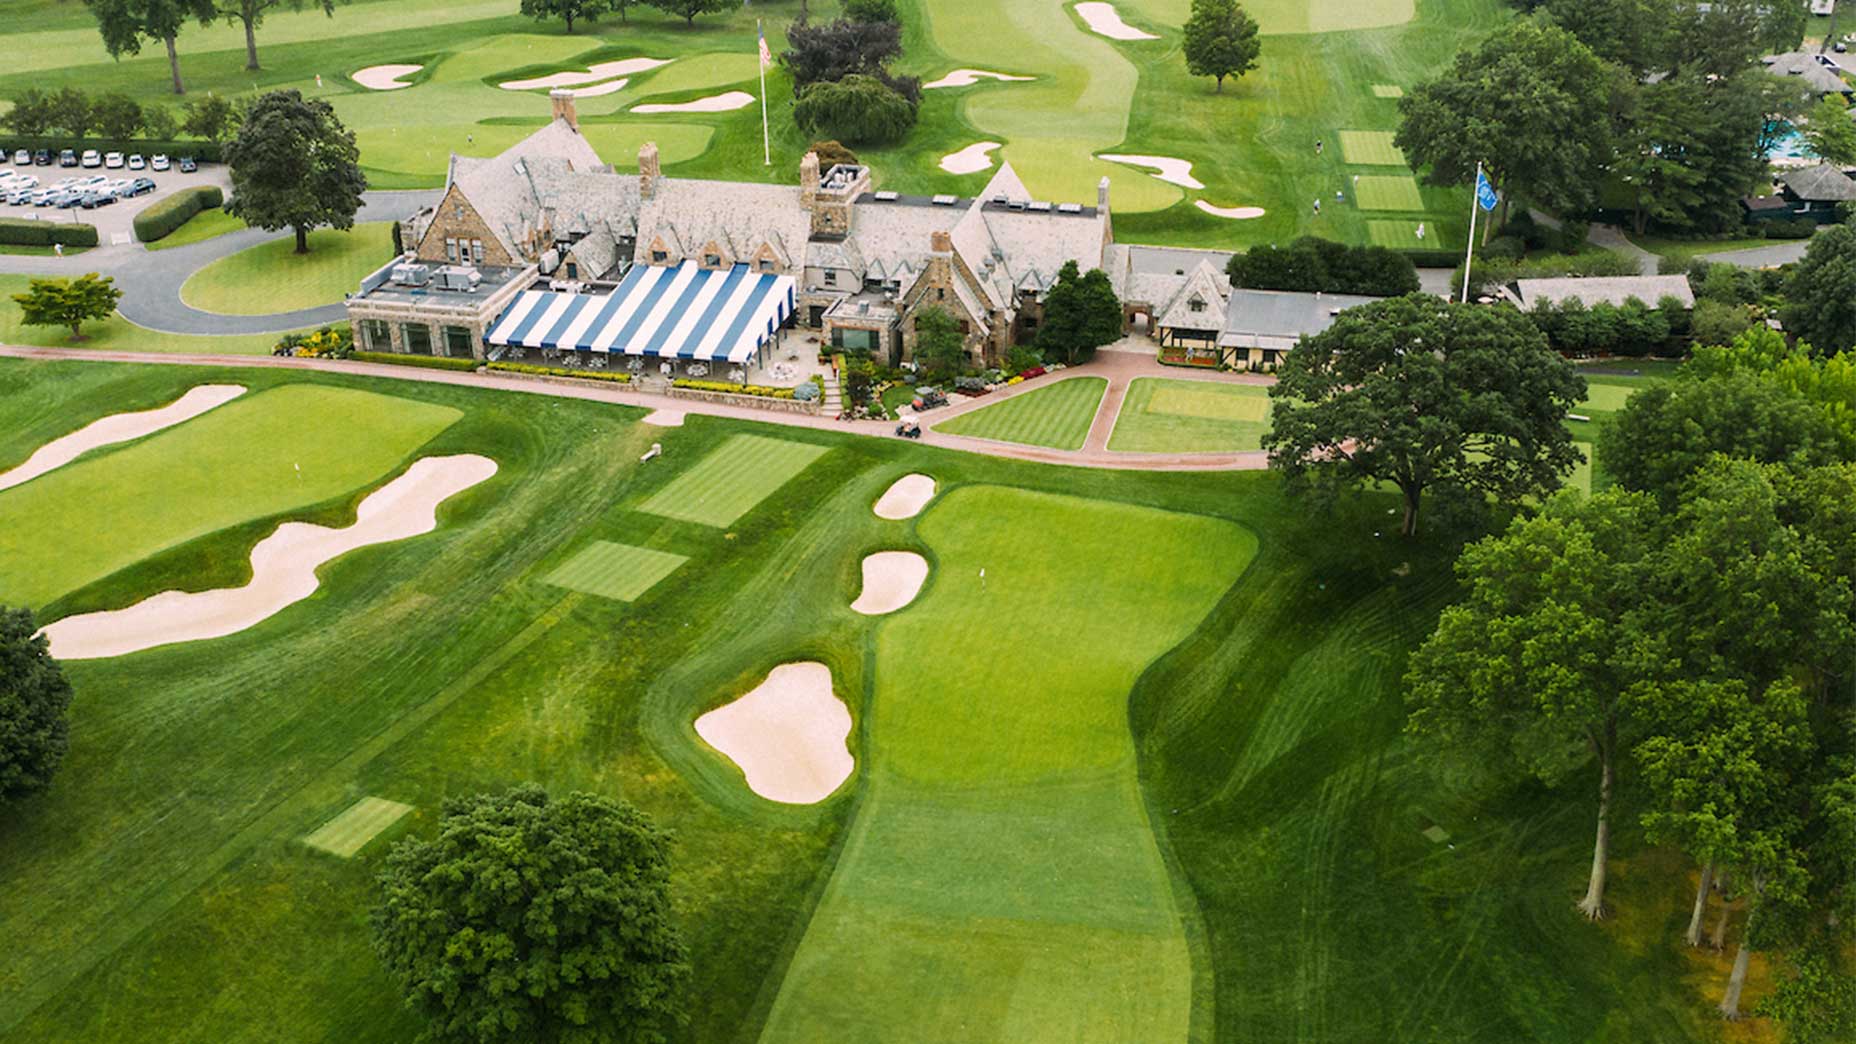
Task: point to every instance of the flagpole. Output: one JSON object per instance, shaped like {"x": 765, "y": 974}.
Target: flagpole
{"x": 760, "y": 59}
{"x": 1470, "y": 250}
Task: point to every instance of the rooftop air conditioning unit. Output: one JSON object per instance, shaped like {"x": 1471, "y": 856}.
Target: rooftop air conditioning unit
{"x": 1069, "y": 208}
{"x": 887, "y": 196}
{"x": 412, "y": 275}
{"x": 459, "y": 277}
{"x": 1040, "y": 207}
{"x": 944, "y": 200}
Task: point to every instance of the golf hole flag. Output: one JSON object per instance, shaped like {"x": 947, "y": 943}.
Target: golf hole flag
{"x": 1486, "y": 197}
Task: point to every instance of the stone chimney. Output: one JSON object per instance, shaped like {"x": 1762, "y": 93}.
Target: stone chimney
{"x": 808, "y": 180}
{"x": 649, "y": 174}
{"x": 1102, "y": 194}
{"x": 939, "y": 242}
{"x": 563, "y": 102}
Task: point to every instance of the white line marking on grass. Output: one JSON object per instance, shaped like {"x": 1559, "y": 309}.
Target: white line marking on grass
{"x": 786, "y": 735}
{"x": 1104, "y": 20}
{"x": 120, "y": 427}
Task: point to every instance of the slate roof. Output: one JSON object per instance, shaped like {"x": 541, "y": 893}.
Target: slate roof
{"x": 1820, "y": 183}
{"x": 1613, "y": 290}
{"x": 1809, "y": 67}
{"x": 552, "y": 167}
{"x": 1202, "y": 284}
{"x": 1284, "y": 314}
{"x": 736, "y": 215}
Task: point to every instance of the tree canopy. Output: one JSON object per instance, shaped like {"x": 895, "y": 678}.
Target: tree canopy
{"x": 1830, "y": 132}
{"x": 69, "y": 303}
{"x": 1664, "y": 434}
{"x": 124, "y": 24}
{"x": 859, "y": 110}
{"x": 1081, "y": 314}
{"x": 940, "y": 350}
{"x": 1312, "y": 263}
{"x": 530, "y": 918}
{"x": 568, "y": 11}
{"x": 1424, "y": 394}
{"x": 689, "y": 9}
{"x": 34, "y": 698}
{"x": 833, "y": 50}
{"x": 1220, "y": 39}
{"x": 1821, "y": 293}
{"x": 294, "y": 166}
{"x": 250, "y": 14}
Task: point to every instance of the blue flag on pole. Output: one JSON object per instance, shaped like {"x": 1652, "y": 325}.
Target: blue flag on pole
{"x": 1485, "y": 192}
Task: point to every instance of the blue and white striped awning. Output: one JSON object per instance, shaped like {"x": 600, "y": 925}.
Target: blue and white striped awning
{"x": 686, "y": 312}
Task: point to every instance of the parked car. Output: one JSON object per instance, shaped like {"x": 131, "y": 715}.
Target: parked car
{"x": 42, "y": 158}
{"x": 95, "y": 199}
{"x": 20, "y": 197}
{"x": 22, "y": 157}
{"x": 136, "y": 162}
{"x": 67, "y": 199}
{"x": 113, "y": 161}
{"x": 67, "y": 158}
{"x": 187, "y": 165}
{"x": 92, "y": 158}
{"x": 160, "y": 162}
{"x": 141, "y": 186}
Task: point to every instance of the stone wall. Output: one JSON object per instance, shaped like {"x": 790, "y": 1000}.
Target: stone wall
{"x": 455, "y": 218}
{"x": 759, "y": 402}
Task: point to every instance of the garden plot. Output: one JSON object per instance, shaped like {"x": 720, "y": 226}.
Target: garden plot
{"x": 732, "y": 479}
{"x": 787, "y": 735}
{"x": 119, "y": 427}
{"x": 616, "y": 571}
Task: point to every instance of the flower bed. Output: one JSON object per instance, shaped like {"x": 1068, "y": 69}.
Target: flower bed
{"x": 528, "y": 369}
{"x": 330, "y": 342}
{"x": 429, "y": 362}
{"x": 731, "y": 388}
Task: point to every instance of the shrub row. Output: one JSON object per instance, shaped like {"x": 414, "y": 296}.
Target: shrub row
{"x": 161, "y": 219}
{"x": 204, "y": 151}
{"x": 1633, "y": 328}
{"x": 22, "y": 232}
{"x": 1491, "y": 272}
{"x": 430, "y": 362}
{"x": 1315, "y": 264}
{"x": 612, "y": 376}
{"x": 734, "y": 389}
{"x": 328, "y": 342}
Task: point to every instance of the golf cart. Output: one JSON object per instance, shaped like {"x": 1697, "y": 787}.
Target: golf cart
{"x": 910, "y": 428}
{"x": 927, "y": 398}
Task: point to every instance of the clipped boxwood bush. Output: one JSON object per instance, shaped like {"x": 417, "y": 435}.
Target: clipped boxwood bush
{"x": 430, "y": 362}
{"x": 760, "y": 390}
{"x": 161, "y": 219}
{"x": 610, "y": 376}
{"x": 21, "y": 232}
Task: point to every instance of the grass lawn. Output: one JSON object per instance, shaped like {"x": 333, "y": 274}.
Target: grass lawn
{"x": 116, "y": 332}
{"x": 1003, "y": 792}
{"x": 1370, "y": 148}
{"x": 1057, "y": 415}
{"x": 731, "y": 480}
{"x": 207, "y": 224}
{"x": 272, "y": 277}
{"x": 616, "y": 571}
{"x": 38, "y": 251}
{"x": 363, "y": 821}
{"x": 256, "y": 457}
{"x": 1388, "y": 192}
{"x": 1167, "y": 416}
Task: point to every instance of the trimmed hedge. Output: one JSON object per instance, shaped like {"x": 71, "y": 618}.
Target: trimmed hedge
{"x": 21, "y": 232}
{"x": 430, "y": 362}
{"x": 1311, "y": 263}
{"x": 758, "y": 390}
{"x": 612, "y": 376}
{"x": 204, "y": 151}
{"x": 1434, "y": 258}
{"x": 159, "y": 220}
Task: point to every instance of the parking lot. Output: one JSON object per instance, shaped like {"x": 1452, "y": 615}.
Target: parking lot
{"x": 114, "y": 222}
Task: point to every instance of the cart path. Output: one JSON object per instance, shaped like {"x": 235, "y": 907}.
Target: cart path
{"x": 1119, "y": 367}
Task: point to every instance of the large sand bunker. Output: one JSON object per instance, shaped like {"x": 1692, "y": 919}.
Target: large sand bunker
{"x": 283, "y": 568}
{"x": 969, "y": 160}
{"x": 593, "y": 74}
{"x": 119, "y": 427}
{"x": 969, "y": 77}
{"x": 1166, "y": 168}
{"x": 787, "y": 735}
{"x": 1104, "y": 19}
{"x": 665, "y": 418}
{"x": 905, "y": 497}
{"x": 727, "y": 102}
{"x": 1234, "y": 213}
{"x": 892, "y": 579}
{"x": 385, "y": 77}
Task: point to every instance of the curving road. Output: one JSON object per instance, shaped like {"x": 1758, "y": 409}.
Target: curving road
{"x": 151, "y": 280}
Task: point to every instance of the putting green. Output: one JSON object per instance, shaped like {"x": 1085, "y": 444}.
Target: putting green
{"x": 1370, "y": 147}
{"x": 273, "y": 277}
{"x": 1057, "y": 415}
{"x": 1170, "y": 416}
{"x": 1001, "y": 878}
{"x": 260, "y": 455}
{"x": 616, "y": 571}
{"x": 1387, "y": 192}
{"x": 734, "y": 477}
{"x": 350, "y": 832}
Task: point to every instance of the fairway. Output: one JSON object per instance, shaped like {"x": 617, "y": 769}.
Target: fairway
{"x": 1399, "y": 235}
{"x": 260, "y": 455}
{"x": 1605, "y": 398}
{"x": 1001, "y": 880}
{"x": 1388, "y": 192}
{"x": 735, "y": 476}
{"x": 1057, "y": 416}
{"x": 616, "y": 571}
{"x": 1169, "y": 416}
{"x": 1370, "y": 147}
{"x": 350, "y": 832}
{"x": 272, "y": 277}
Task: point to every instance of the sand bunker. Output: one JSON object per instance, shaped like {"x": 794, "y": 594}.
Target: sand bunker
{"x": 1103, "y": 19}
{"x": 665, "y": 418}
{"x": 385, "y": 77}
{"x": 714, "y": 103}
{"x": 119, "y": 427}
{"x": 1166, "y": 168}
{"x": 787, "y": 735}
{"x": 892, "y": 579}
{"x": 969, "y": 77}
{"x": 905, "y": 497}
{"x": 1234, "y": 213}
{"x": 283, "y": 568}
{"x": 970, "y": 159}
{"x": 593, "y": 74}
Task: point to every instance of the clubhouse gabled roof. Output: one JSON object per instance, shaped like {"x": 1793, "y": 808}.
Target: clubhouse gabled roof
{"x": 683, "y": 312}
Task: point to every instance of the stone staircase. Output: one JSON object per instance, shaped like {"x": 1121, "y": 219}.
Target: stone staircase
{"x": 834, "y": 399}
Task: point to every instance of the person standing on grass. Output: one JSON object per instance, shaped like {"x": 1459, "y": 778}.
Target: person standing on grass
{"x": 1317, "y": 208}
{"x": 1420, "y": 230}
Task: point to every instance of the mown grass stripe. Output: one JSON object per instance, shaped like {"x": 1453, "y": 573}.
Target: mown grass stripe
{"x": 620, "y": 572}
{"x": 732, "y": 479}
{"x": 358, "y": 824}
{"x": 1056, "y": 416}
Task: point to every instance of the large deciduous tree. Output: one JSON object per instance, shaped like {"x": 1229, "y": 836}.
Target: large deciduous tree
{"x": 210, "y": 118}
{"x": 250, "y": 14}
{"x": 1530, "y": 103}
{"x": 1821, "y": 293}
{"x": 1830, "y": 132}
{"x": 294, "y": 166}
{"x": 1664, "y": 434}
{"x": 1220, "y": 40}
{"x": 859, "y": 109}
{"x": 34, "y": 697}
{"x": 33, "y": 113}
{"x": 69, "y": 303}
{"x": 118, "y": 116}
{"x": 840, "y": 48}
{"x": 124, "y": 24}
{"x": 1425, "y": 394}
{"x": 568, "y": 11}
{"x": 689, "y": 9}
{"x": 1081, "y": 314}
{"x": 530, "y": 918}
{"x": 940, "y": 350}
{"x": 1635, "y": 34}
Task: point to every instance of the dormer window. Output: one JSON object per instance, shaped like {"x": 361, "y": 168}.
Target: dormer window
{"x": 831, "y": 277}
{"x": 660, "y": 256}
{"x": 1196, "y": 304}
{"x": 766, "y": 264}
{"x": 712, "y": 260}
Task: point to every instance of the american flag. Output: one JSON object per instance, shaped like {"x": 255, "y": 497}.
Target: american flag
{"x": 766, "y": 56}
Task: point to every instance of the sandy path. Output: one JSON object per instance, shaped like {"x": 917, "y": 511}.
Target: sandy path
{"x": 969, "y": 77}
{"x": 905, "y": 497}
{"x": 283, "y": 568}
{"x": 385, "y": 77}
{"x": 727, "y": 102}
{"x": 119, "y": 427}
{"x": 1104, "y": 20}
{"x": 892, "y": 579}
{"x": 787, "y": 735}
{"x": 1234, "y": 213}
{"x": 1166, "y": 168}
{"x": 970, "y": 159}
{"x": 593, "y": 74}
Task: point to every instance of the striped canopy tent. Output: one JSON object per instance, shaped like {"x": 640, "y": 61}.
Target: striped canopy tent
{"x": 685, "y": 312}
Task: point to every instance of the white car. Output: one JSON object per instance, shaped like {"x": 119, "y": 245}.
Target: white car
{"x": 136, "y": 162}
{"x": 160, "y": 162}
{"x": 92, "y": 158}
{"x": 113, "y": 161}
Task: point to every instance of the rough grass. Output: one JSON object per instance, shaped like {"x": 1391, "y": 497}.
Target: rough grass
{"x": 733, "y": 478}
{"x": 273, "y": 277}
{"x": 1057, "y": 415}
{"x": 617, "y": 571}
{"x": 1169, "y": 416}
